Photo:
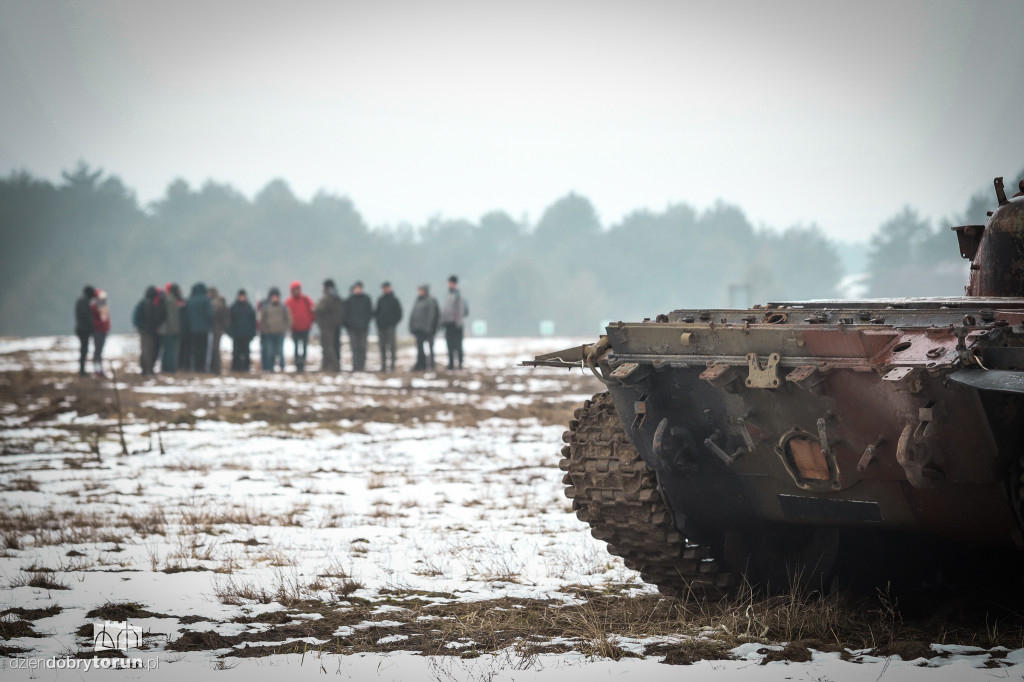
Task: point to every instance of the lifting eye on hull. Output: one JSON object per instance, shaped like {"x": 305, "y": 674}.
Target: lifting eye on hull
{"x": 811, "y": 465}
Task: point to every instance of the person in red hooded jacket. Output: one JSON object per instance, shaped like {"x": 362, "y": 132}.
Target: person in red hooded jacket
{"x": 302, "y": 310}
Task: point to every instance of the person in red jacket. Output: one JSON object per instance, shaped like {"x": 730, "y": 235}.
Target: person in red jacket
{"x": 100, "y": 329}
{"x": 301, "y": 308}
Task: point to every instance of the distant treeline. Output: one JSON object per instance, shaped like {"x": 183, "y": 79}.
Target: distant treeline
{"x": 567, "y": 267}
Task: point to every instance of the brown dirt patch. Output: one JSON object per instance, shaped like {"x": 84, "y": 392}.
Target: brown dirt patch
{"x": 691, "y": 651}
{"x": 908, "y": 650}
{"x": 17, "y": 628}
{"x": 794, "y": 652}
{"x": 41, "y": 396}
{"x": 120, "y": 611}
{"x": 33, "y": 614}
{"x": 203, "y": 641}
{"x": 12, "y": 651}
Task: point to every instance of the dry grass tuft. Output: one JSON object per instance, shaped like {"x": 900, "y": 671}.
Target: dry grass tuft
{"x": 44, "y": 580}
{"x": 26, "y": 484}
{"x": 11, "y": 539}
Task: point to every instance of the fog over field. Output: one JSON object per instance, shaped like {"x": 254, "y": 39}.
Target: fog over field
{"x": 574, "y": 164}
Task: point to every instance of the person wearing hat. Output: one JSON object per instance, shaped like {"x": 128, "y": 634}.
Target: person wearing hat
{"x": 83, "y": 325}
{"x": 275, "y": 321}
{"x": 358, "y": 313}
{"x": 387, "y": 316}
{"x": 301, "y": 308}
{"x": 100, "y": 329}
{"x": 330, "y": 315}
{"x": 242, "y": 330}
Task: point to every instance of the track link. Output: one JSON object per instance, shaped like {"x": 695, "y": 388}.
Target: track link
{"x": 613, "y": 489}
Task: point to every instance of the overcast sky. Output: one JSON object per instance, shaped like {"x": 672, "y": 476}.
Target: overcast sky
{"x": 800, "y": 112}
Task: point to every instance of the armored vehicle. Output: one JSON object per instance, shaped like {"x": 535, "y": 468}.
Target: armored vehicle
{"x": 760, "y": 444}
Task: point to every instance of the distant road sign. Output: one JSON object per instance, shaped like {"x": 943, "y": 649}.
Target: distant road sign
{"x": 478, "y": 328}
{"x": 547, "y": 327}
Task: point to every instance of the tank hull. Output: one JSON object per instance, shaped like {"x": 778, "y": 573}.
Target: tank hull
{"x": 827, "y": 414}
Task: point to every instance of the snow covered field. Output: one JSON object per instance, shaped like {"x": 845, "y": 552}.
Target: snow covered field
{"x": 373, "y": 526}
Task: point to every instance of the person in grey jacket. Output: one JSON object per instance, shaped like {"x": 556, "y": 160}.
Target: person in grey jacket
{"x": 275, "y": 321}
{"x": 453, "y": 317}
{"x": 423, "y": 325}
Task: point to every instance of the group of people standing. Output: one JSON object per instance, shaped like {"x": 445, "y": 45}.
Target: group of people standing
{"x": 186, "y": 333}
{"x": 274, "y": 317}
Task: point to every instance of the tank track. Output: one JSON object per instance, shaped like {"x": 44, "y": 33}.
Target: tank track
{"x": 613, "y": 489}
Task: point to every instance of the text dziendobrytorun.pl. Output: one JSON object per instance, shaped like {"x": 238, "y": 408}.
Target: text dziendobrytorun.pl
{"x": 84, "y": 664}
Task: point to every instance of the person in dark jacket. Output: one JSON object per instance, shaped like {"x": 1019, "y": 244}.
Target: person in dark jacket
{"x": 170, "y": 330}
{"x": 423, "y": 325}
{"x": 387, "y": 316}
{"x": 358, "y": 313}
{"x": 330, "y": 315}
{"x": 83, "y": 325}
{"x": 242, "y": 330}
{"x": 149, "y": 314}
{"x": 218, "y": 328}
{"x": 199, "y": 313}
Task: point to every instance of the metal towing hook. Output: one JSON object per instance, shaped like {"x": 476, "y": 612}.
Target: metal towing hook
{"x": 921, "y": 461}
